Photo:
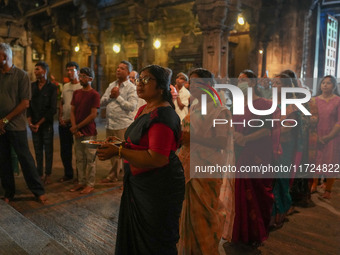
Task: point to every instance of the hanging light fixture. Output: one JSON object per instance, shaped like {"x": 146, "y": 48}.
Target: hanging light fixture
{"x": 157, "y": 43}
{"x": 116, "y": 47}
{"x": 261, "y": 52}
{"x": 240, "y": 20}
{"x": 77, "y": 48}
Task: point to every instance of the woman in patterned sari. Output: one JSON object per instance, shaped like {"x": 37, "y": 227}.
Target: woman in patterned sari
{"x": 300, "y": 183}
{"x": 328, "y": 128}
{"x": 290, "y": 140}
{"x": 203, "y": 215}
{"x": 153, "y": 193}
{"x": 253, "y": 146}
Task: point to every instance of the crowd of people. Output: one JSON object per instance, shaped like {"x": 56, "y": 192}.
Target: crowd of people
{"x": 166, "y": 207}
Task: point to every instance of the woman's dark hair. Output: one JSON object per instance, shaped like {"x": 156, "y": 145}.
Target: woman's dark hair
{"x": 170, "y": 73}
{"x": 287, "y": 82}
{"x": 204, "y": 74}
{"x": 334, "y": 82}
{"x": 293, "y": 76}
{"x": 251, "y": 75}
{"x": 162, "y": 77}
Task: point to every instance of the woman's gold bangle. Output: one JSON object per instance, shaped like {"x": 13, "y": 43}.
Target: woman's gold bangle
{"x": 120, "y": 151}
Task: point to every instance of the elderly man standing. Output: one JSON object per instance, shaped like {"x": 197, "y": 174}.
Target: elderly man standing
{"x": 133, "y": 76}
{"x": 120, "y": 99}
{"x": 182, "y": 100}
{"x": 15, "y": 93}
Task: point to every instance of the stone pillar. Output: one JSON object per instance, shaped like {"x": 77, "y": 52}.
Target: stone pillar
{"x": 254, "y": 46}
{"x": 233, "y": 11}
{"x": 28, "y": 66}
{"x": 141, "y": 54}
{"x": 92, "y": 58}
{"x": 101, "y": 62}
{"x": 28, "y": 58}
{"x": 93, "y": 63}
{"x": 64, "y": 41}
{"x": 138, "y": 21}
{"x": 65, "y": 58}
{"x": 264, "y": 58}
{"x": 47, "y": 53}
{"x": 224, "y": 54}
{"x": 212, "y": 51}
{"x": 212, "y": 15}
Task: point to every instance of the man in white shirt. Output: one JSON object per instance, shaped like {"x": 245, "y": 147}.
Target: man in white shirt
{"x": 65, "y": 135}
{"x": 182, "y": 100}
{"x": 120, "y": 99}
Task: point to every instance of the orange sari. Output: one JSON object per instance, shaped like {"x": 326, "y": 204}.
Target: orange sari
{"x": 203, "y": 214}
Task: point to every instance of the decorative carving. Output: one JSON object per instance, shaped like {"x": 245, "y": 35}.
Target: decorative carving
{"x": 63, "y": 38}
{"x": 38, "y": 44}
{"x": 233, "y": 11}
{"x": 139, "y": 21}
{"x": 211, "y": 14}
{"x": 188, "y": 54}
{"x": 89, "y": 23}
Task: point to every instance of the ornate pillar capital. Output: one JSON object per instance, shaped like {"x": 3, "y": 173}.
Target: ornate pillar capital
{"x": 212, "y": 14}
{"x": 138, "y": 18}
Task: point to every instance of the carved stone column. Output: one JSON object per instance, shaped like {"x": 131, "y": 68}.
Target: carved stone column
{"x": 48, "y": 53}
{"x": 233, "y": 11}
{"x": 264, "y": 58}
{"x": 140, "y": 27}
{"x": 28, "y": 66}
{"x": 101, "y": 62}
{"x": 212, "y": 15}
{"x": 254, "y": 46}
{"x": 92, "y": 58}
{"x": 90, "y": 30}
{"x": 224, "y": 54}
{"x": 65, "y": 58}
{"x": 267, "y": 26}
{"x": 212, "y": 51}
{"x": 142, "y": 54}
{"x": 64, "y": 41}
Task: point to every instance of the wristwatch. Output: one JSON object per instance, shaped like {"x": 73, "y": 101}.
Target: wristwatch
{"x": 5, "y": 121}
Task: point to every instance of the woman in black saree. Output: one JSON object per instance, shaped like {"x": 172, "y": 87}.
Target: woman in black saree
{"x": 153, "y": 192}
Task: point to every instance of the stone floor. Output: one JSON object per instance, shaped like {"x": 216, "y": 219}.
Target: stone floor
{"x": 73, "y": 223}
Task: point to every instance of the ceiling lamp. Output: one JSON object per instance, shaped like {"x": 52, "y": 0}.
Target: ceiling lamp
{"x": 157, "y": 43}
{"x": 240, "y": 20}
{"x": 116, "y": 47}
{"x": 77, "y": 48}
